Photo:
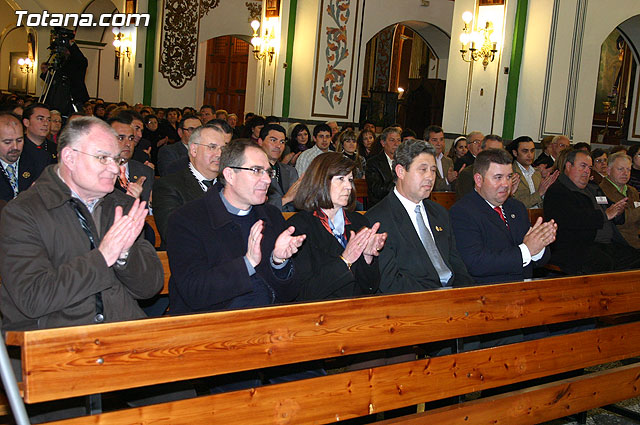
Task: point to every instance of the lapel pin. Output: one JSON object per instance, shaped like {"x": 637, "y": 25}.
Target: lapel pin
{"x": 438, "y": 229}
{"x": 26, "y": 175}
{"x": 513, "y": 216}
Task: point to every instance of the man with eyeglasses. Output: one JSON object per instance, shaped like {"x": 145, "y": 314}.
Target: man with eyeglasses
{"x": 474, "y": 142}
{"x": 21, "y": 165}
{"x": 168, "y": 154}
{"x": 193, "y": 181}
{"x": 36, "y": 119}
{"x": 588, "y": 240}
{"x": 284, "y": 185}
{"x": 70, "y": 247}
{"x": 135, "y": 179}
{"x": 229, "y": 249}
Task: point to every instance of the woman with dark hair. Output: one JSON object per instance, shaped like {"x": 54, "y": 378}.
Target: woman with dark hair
{"x": 348, "y": 146}
{"x": 339, "y": 256}
{"x": 458, "y": 149}
{"x": 366, "y": 138}
{"x": 170, "y": 126}
{"x": 634, "y": 153}
{"x": 299, "y": 141}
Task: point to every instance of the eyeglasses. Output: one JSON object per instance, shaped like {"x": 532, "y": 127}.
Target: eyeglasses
{"x": 210, "y": 146}
{"x": 105, "y": 159}
{"x": 190, "y": 129}
{"x": 258, "y": 171}
{"x": 600, "y": 160}
{"x": 122, "y": 137}
{"x": 475, "y": 142}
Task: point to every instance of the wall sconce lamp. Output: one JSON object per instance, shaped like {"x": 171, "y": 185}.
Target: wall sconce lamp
{"x": 26, "y": 65}
{"x": 477, "y": 45}
{"x": 263, "y": 46}
{"x": 122, "y": 42}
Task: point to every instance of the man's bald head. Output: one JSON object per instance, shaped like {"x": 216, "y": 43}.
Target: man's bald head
{"x": 11, "y": 138}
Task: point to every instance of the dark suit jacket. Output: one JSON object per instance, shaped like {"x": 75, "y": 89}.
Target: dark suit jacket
{"x": 168, "y": 154}
{"x": 488, "y": 247}
{"x": 170, "y": 193}
{"x": 467, "y": 159}
{"x": 288, "y": 175}
{"x": 578, "y": 222}
{"x": 137, "y": 170}
{"x": 404, "y": 263}
{"x": 47, "y": 147}
{"x": 32, "y": 162}
{"x": 545, "y": 159}
{"x": 464, "y": 183}
{"x": 320, "y": 272}
{"x": 206, "y": 254}
{"x": 379, "y": 178}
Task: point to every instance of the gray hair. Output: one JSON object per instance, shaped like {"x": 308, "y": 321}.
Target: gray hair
{"x": 618, "y": 155}
{"x": 196, "y": 136}
{"x": 408, "y": 150}
{"x": 495, "y": 137}
{"x": 79, "y": 128}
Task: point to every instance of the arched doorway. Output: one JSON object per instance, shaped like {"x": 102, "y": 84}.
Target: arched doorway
{"x": 17, "y": 43}
{"x": 404, "y": 71}
{"x": 615, "y": 111}
{"x": 226, "y": 74}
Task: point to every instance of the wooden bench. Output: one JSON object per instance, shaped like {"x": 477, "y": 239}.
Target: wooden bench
{"x": 446, "y": 199}
{"x": 83, "y": 360}
{"x": 152, "y": 222}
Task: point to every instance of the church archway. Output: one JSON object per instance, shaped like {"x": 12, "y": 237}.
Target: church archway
{"x": 615, "y": 111}
{"x": 226, "y": 74}
{"x": 403, "y": 79}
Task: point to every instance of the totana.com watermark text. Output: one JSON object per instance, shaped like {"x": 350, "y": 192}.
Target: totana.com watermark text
{"x": 46, "y": 19}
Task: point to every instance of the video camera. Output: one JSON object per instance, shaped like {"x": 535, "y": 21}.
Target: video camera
{"x": 60, "y": 41}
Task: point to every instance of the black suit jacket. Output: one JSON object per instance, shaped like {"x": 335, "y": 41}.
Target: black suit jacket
{"x": 170, "y": 193}
{"x": 32, "y": 162}
{"x": 320, "y": 273}
{"x": 288, "y": 176}
{"x": 137, "y": 170}
{"x": 545, "y": 159}
{"x": 379, "y": 178}
{"x": 578, "y": 222}
{"x": 206, "y": 250}
{"x": 488, "y": 247}
{"x": 467, "y": 159}
{"x": 404, "y": 263}
{"x": 47, "y": 147}
{"x": 168, "y": 154}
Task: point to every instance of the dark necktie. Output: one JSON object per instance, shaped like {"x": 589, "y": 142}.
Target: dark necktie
{"x": 208, "y": 184}
{"x": 75, "y": 204}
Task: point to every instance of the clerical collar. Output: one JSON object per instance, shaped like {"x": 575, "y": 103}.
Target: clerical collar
{"x": 231, "y": 209}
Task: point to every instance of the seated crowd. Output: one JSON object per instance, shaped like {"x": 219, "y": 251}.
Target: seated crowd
{"x": 74, "y": 249}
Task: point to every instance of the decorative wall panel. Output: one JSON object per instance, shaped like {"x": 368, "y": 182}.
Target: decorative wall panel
{"x": 335, "y": 54}
{"x": 382, "y": 67}
{"x": 179, "y": 40}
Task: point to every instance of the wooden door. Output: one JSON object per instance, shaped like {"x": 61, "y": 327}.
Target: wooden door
{"x": 226, "y": 74}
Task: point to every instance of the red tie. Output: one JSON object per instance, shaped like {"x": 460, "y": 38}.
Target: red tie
{"x": 499, "y": 211}
{"x": 124, "y": 182}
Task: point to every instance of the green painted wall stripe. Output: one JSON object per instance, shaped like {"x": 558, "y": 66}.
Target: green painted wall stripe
{"x": 514, "y": 70}
{"x": 150, "y": 53}
{"x": 286, "y": 93}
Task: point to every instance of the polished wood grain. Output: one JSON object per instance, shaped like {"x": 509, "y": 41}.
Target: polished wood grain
{"x": 152, "y": 222}
{"x": 446, "y": 199}
{"x": 347, "y": 395}
{"x": 538, "y": 404}
{"x": 81, "y": 360}
{"x": 162, "y": 255}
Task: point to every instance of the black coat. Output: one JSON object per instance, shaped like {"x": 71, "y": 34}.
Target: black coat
{"x": 170, "y": 193}
{"x": 379, "y": 178}
{"x": 405, "y": 265}
{"x": 32, "y": 162}
{"x": 206, "y": 254}
{"x": 320, "y": 272}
